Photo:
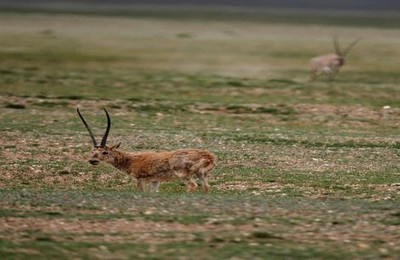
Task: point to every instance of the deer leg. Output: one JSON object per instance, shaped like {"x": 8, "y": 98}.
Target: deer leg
{"x": 205, "y": 185}
{"x": 155, "y": 185}
{"x": 203, "y": 181}
{"x": 332, "y": 75}
{"x": 191, "y": 185}
{"x": 314, "y": 75}
{"x": 140, "y": 185}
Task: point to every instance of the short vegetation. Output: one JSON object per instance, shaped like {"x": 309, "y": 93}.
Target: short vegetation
{"x": 305, "y": 169}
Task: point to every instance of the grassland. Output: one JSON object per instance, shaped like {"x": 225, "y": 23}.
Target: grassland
{"x": 305, "y": 170}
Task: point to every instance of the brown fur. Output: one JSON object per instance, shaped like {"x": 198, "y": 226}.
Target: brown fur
{"x": 153, "y": 167}
{"x": 330, "y": 64}
{"x": 156, "y": 167}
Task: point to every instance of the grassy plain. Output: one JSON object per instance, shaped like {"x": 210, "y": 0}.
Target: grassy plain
{"x": 305, "y": 170}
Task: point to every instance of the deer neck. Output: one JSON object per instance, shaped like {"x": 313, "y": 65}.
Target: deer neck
{"x": 121, "y": 160}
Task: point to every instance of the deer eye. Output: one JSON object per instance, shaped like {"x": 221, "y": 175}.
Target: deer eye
{"x": 104, "y": 153}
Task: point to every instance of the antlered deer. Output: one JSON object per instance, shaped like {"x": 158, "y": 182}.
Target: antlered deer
{"x": 330, "y": 64}
{"x": 154, "y": 167}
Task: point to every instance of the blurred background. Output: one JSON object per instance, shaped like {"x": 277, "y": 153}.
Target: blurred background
{"x": 371, "y": 5}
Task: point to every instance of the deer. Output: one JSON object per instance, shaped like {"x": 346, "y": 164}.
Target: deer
{"x": 330, "y": 64}
{"x": 152, "y": 168}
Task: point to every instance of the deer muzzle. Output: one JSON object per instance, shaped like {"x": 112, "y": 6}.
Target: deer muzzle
{"x": 94, "y": 161}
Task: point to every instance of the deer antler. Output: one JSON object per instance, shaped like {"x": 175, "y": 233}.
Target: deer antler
{"x": 347, "y": 50}
{"x": 337, "y": 46}
{"x": 104, "y": 140}
{"x": 88, "y": 128}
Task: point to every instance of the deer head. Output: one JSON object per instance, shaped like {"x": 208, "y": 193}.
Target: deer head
{"x": 343, "y": 53}
{"x": 100, "y": 152}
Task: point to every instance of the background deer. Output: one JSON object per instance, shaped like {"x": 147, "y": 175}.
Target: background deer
{"x": 154, "y": 167}
{"x": 330, "y": 64}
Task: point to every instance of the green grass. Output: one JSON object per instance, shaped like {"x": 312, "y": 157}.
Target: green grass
{"x": 139, "y": 85}
{"x": 305, "y": 170}
{"x": 226, "y": 249}
{"x": 284, "y": 214}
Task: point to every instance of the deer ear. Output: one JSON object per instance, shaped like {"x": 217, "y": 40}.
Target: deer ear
{"x": 116, "y": 146}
